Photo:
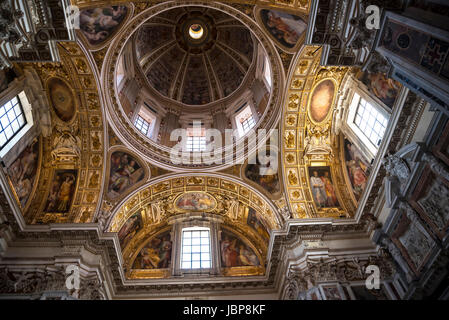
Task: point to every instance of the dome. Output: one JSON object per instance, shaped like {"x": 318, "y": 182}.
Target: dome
{"x": 194, "y": 69}
{"x": 194, "y": 55}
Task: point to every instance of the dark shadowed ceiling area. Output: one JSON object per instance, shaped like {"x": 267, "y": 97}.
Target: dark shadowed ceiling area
{"x": 196, "y": 70}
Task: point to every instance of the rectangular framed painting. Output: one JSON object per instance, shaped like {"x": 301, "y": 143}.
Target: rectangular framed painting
{"x": 62, "y": 191}
{"x": 322, "y": 188}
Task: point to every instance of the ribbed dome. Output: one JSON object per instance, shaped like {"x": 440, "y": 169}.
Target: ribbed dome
{"x": 194, "y": 55}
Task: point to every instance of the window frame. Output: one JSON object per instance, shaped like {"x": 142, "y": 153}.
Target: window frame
{"x": 5, "y": 115}
{"x": 350, "y": 120}
{"x": 144, "y": 123}
{"x": 193, "y": 141}
{"x": 241, "y": 130}
{"x": 144, "y": 113}
{"x": 184, "y": 246}
{"x": 27, "y": 112}
{"x": 196, "y": 139}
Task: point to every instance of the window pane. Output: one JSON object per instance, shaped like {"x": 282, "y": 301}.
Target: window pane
{"x": 205, "y": 264}
{"x": 196, "y": 257}
{"x": 196, "y": 264}
{"x": 187, "y": 234}
{"x": 2, "y": 139}
{"x": 8, "y": 132}
{"x": 196, "y": 234}
{"x": 186, "y": 257}
{"x": 205, "y": 255}
{"x": 15, "y": 125}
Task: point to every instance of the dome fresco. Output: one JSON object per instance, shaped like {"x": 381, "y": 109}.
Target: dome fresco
{"x": 194, "y": 71}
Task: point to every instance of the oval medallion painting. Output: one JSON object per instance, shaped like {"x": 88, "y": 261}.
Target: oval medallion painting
{"x": 62, "y": 99}
{"x": 196, "y": 201}
{"x": 321, "y": 101}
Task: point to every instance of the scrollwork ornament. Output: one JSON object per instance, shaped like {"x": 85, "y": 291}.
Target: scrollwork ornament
{"x": 397, "y": 167}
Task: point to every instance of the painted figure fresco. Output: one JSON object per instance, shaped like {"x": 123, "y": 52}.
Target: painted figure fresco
{"x": 196, "y": 201}
{"x": 124, "y": 173}
{"x": 323, "y": 190}
{"x": 321, "y": 101}
{"x": 23, "y": 170}
{"x": 156, "y": 254}
{"x": 62, "y": 191}
{"x": 130, "y": 229}
{"x": 382, "y": 87}
{"x": 235, "y": 253}
{"x": 62, "y": 99}
{"x": 284, "y": 27}
{"x": 257, "y": 224}
{"x": 98, "y": 24}
{"x": 264, "y": 175}
{"x": 357, "y": 168}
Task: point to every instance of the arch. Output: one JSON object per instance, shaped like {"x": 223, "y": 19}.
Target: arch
{"x": 308, "y": 145}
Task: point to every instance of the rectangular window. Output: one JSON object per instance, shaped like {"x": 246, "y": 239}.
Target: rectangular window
{"x": 196, "y": 143}
{"x": 245, "y": 120}
{"x": 370, "y": 121}
{"x": 248, "y": 123}
{"x": 195, "y": 248}
{"x": 12, "y": 119}
{"x": 142, "y": 125}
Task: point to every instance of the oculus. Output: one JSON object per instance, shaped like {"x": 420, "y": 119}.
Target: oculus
{"x": 196, "y": 31}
